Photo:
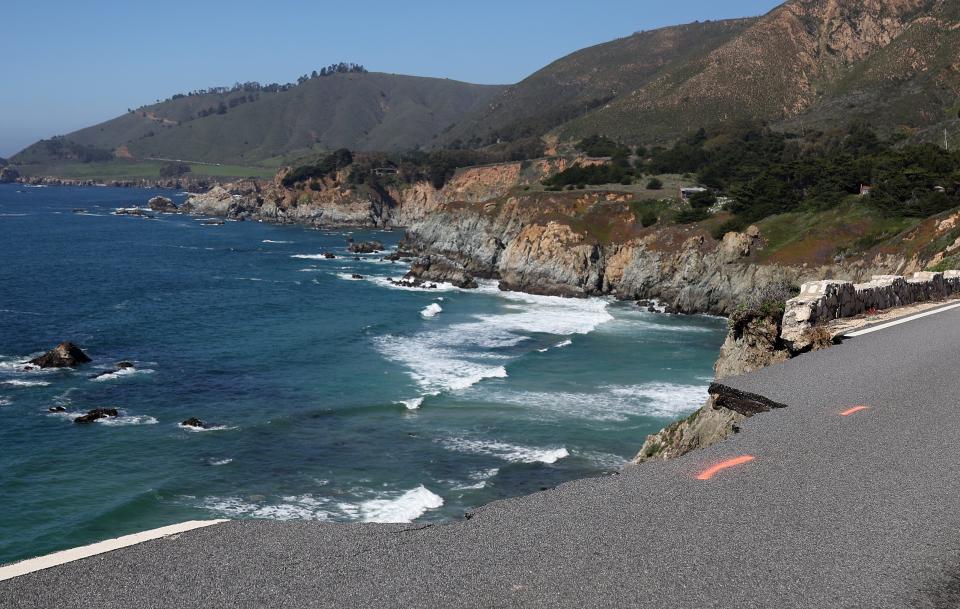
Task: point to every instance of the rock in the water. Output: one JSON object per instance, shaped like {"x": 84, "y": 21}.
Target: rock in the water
{"x": 64, "y": 355}
{"x": 329, "y": 255}
{"x": 366, "y": 247}
{"x": 57, "y": 409}
{"x": 440, "y": 269}
{"x": 8, "y": 175}
{"x": 355, "y": 276}
{"x": 163, "y": 204}
{"x": 123, "y": 365}
{"x": 97, "y": 413}
{"x": 195, "y": 422}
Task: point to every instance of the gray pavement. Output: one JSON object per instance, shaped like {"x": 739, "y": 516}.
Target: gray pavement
{"x": 857, "y": 511}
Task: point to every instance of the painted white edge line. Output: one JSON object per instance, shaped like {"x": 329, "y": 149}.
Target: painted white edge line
{"x": 902, "y": 320}
{"x": 60, "y": 558}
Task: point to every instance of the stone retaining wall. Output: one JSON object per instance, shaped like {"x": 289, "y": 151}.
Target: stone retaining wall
{"x": 823, "y": 301}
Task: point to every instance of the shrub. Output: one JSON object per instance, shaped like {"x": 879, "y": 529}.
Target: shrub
{"x": 764, "y": 302}
{"x": 648, "y": 218}
{"x": 654, "y": 184}
{"x": 173, "y": 170}
{"x": 694, "y": 214}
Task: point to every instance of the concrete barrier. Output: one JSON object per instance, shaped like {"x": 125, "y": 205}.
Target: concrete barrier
{"x": 823, "y": 301}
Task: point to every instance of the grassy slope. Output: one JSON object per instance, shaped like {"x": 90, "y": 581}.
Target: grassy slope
{"x": 360, "y": 111}
{"x": 599, "y": 72}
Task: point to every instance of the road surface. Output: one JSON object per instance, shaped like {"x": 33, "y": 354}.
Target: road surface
{"x": 861, "y": 510}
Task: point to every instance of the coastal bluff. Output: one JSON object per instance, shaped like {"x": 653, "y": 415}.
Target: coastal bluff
{"x": 810, "y": 322}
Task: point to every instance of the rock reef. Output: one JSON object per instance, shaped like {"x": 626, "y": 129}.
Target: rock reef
{"x": 64, "y": 355}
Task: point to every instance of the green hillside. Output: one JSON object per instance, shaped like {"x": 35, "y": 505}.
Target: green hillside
{"x": 361, "y": 111}
{"x": 807, "y": 63}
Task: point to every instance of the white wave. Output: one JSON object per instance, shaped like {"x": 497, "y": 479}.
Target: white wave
{"x": 384, "y": 282}
{"x": 469, "y": 487}
{"x": 505, "y": 451}
{"x": 5, "y": 401}
{"x": 21, "y": 383}
{"x": 610, "y": 403}
{"x": 199, "y": 429}
{"x": 303, "y": 507}
{"x": 411, "y": 404}
{"x": 405, "y": 508}
{"x": 216, "y": 462}
{"x": 431, "y": 310}
{"x": 272, "y": 241}
{"x": 665, "y": 398}
{"x": 122, "y": 372}
{"x": 436, "y": 361}
{"x": 124, "y": 420}
{"x": 347, "y": 276}
{"x": 313, "y": 257}
{"x": 481, "y": 476}
{"x": 563, "y": 343}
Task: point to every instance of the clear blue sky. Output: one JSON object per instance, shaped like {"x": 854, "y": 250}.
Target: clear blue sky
{"x": 69, "y": 64}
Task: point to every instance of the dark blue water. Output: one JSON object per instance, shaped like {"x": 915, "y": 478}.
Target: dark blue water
{"x": 332, "y": 399}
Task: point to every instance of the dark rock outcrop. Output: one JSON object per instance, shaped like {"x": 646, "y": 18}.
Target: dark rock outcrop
{"x": 64, "y": 355}
{"x": 9, "y": 175}
{"x": 163, "y": 204}
{"x": 57, "y": 409}
{"x": 195, "y": 422}
{"x": 440, "y": 269}
{"x": 97, "y": 413}
{"x": 366, "y": 247}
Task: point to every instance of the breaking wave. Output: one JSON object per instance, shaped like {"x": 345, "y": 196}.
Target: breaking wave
{"x": 505, "y": 451}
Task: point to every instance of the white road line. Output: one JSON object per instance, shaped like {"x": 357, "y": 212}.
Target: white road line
{"x": 902, "y": 320}
{"x": 59, "y": 558}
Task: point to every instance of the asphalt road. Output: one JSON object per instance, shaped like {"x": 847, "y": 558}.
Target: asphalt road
{"x": 833, "y": 511}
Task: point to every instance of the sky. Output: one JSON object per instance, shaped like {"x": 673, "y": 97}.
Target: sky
{"x": 71, "y": 64}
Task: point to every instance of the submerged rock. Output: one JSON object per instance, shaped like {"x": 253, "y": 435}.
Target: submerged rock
{"x": 329, "y": 255}
{"x": 64, "y": 355}
{"x": 163, "y": 204}
{"x": 356, "y": 276}
{"x": 97, "y": 413}
{"x": 123, "y": 365}
{"x": 195, "y": 422}
{"x": 57, "y": 409}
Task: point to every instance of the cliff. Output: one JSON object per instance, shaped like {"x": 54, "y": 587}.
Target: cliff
{"x": 590, "y": 244}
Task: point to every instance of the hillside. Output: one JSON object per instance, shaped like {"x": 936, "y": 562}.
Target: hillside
{"x": 818, "y": 63}
{"x": 808, "y": 65}
{"x": 361, "y": 111}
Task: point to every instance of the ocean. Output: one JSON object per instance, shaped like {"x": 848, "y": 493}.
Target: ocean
{"x": 329, "y": 398}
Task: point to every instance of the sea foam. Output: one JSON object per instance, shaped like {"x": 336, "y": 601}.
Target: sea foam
{"x": 505, "y": 451}
{"x": 431, "y": 310}
{"x": 405, "y": 508}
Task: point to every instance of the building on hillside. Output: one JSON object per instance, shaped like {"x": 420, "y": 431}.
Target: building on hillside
{"x": 688, "y": 191}
{"x": 384, "y": 171}
{"x": 865, "y": 189}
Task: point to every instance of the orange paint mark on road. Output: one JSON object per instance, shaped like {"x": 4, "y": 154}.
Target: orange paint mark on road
{"x": 710, "y": 472}
{"x": 847, "y": 413}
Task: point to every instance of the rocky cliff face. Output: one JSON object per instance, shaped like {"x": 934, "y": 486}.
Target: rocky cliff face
{"x": 584, "y": 244}
{"x": 333, "y": 203}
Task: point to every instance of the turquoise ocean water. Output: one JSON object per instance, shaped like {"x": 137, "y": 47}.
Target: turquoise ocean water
{"x": 333, "y": 399}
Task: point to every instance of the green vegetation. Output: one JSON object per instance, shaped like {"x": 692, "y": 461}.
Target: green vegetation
{"x": 248, "y": 125}
{"x": 173, "y": 170}
{"x": 600, "y": 146}
{"x": 327, "y": 166}
{"x": 765, "y": 302}
{"x": 654, "y": 184}
{"x": 768, "y": 173}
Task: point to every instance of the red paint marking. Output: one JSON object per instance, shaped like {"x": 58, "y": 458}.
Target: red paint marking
{"x": 711, "y": 471}
{"x": 847, "y": 413}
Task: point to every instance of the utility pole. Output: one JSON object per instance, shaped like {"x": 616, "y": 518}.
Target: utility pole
{"x": 946, "y": 142}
